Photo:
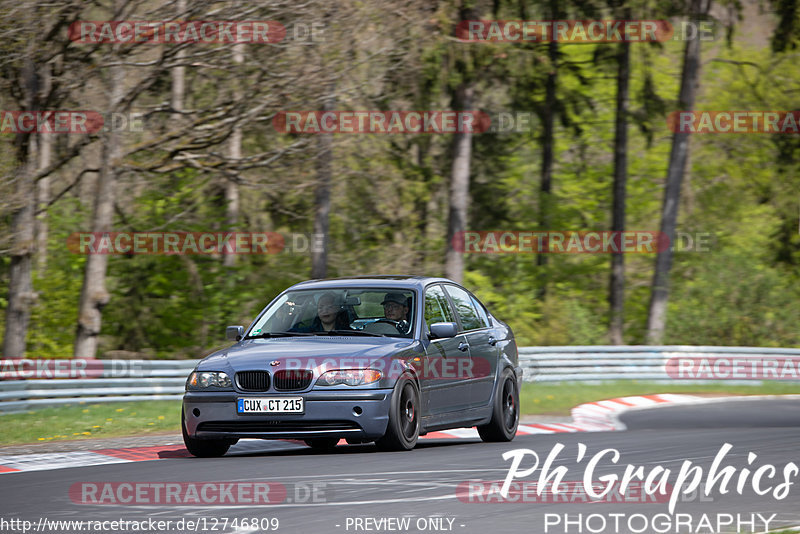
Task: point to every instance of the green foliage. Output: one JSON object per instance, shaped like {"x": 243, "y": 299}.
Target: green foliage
{"x": 389, "y": 207}
{"x": 51, "y": 333}
{"x": 739, "y": 287}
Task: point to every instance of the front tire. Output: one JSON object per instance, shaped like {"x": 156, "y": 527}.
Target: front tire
{"x": 505, "y": 412}
{"x": 402, "y": 431}
{"x": 204, "y": 448}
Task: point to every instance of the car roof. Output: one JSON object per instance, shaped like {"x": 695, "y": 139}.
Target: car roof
{"x": 387, "y": 281}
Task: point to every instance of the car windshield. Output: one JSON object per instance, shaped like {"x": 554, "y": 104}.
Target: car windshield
{"x": 339, "y": 311}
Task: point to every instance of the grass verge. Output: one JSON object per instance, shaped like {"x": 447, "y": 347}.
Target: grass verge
{"x": 82, "y": 421}
{"x": 136, "y": 418}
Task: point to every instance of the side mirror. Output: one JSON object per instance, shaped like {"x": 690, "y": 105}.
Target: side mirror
{"x": 234, "y": 333}
{"x": 443, "y": 330}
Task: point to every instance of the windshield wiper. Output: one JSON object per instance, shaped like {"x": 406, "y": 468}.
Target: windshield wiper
{"x": 347, "y": 333}
{"x": 278, "y": 334}
{"x": 360, "y": 333}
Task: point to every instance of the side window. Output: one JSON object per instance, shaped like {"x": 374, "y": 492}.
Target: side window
{"x": 437, "y": 309}
{"x": 470, "y": 319}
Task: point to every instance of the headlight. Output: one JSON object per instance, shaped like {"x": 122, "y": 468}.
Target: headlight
{"x": 349, "y": 377}
{"x": 208, "y": 379}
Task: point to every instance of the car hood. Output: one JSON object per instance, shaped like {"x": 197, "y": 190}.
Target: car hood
{"x": 312, "y": 353}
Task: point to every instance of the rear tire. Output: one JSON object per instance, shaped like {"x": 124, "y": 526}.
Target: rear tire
{"x": 403, "y": 428}
{"x": 322, "y": 444}
{"x": 204, "y": 448}
{"x": 505, "y": 412}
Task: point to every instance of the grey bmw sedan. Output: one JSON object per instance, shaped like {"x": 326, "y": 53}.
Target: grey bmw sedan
{"x": 381, "y": 358}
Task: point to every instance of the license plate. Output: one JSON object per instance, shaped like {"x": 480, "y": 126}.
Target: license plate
{"x": 270, "y": 405}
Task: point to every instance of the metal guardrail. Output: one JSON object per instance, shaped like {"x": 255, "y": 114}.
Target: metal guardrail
{"x": 106, "y": 381}
{"x": 636, "y": 362}
{"x": 135, "y": 380}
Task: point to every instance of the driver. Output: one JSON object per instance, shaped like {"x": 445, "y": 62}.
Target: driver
{"x": 395, "y": 307}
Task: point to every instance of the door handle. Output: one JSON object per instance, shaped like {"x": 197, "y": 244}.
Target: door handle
{"x": 492, "y": 341}
{"x": 463, "y": 346}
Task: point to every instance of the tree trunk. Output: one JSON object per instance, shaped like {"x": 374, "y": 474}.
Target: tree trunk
{"x": 235, "y": 154}
{"x": 43, "y": 185}
{"x": 546, "y": 176}
{"x": 322, "y": 196}
{"x": 20, "y": 287}
{"x": 616, "y": 296}
{"x": 459, "y": 186}
{"x": 178, "y": 73}
{"x": 657, "y": 316}
{"x": 21, "y": 296}
{"x": 94, "y": 295}
{"x": 420, "y": 154}
{"x": 232, "y": 193}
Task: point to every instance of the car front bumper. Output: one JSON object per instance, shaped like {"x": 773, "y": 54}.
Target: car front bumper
{"x": 331, "y": 413}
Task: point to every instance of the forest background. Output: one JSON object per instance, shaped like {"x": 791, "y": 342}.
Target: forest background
{"x": 598, "y": 155}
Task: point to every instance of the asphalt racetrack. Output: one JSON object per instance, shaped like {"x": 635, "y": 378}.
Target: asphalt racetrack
{"x": 448, "y": 485}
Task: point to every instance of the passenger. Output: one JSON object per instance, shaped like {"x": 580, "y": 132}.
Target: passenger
{"x": 330, "y": 315}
